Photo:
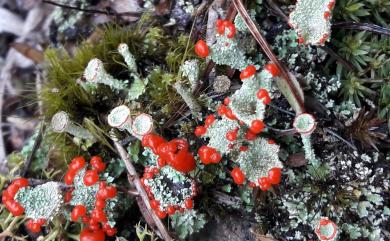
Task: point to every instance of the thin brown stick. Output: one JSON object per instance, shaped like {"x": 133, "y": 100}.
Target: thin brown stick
{"x": 270, "y": 54}
{"x": 135, "y": 180}
{"x": 37, "y": 143}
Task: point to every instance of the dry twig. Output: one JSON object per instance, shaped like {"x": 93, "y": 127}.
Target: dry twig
{"x": 144, "y": 200}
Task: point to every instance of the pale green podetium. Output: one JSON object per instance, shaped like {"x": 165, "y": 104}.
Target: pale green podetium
{"x": 60, "y": 123}
{"x": 96, "y": 74}
{"x": 305, "y": 124}
{"x": 123, "y": 49}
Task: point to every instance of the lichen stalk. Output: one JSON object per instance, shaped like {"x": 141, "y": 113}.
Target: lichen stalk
{"x": 61, "y": 123}
{"x": 188, "y": 98}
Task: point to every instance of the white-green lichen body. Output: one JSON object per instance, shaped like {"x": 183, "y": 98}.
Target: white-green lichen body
{"x": 123, "y": 49}
{"x": 260, "y": 157}
{"x": 226, "y": 51}
{"x": 95, "y": 73}
{"x": 61, "y": 122}
{"x": 309, "y": 151}
{"x": 170, "y": 187}
{"x": 244, "y": 102}
{"x": 309, "y": 21}
{"x": 217, "y": 134}
{"x": 43, "y": 201}
{"x": 82, "y": 194}
{"x": 142, "y": 125}
{"x": 119, "y": 117}
{"x": 190, "y": 69}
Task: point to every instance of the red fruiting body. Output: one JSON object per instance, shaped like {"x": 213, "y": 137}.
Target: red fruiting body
{"x": 232, "y": 135}
{"x": 160, "y": 214}
{"x": 248, "y": 72}
{"x": 171, "y": 210}
{"x": 20, "y": 182}
{"x": 252, "y": 184}
{"x": 232, "y": 29}
{"x": 209, "y": 120}
{"x": 274, "y": 175}
{"x": 41, "y": 221}
{"x": 93, "y": 224}
{"x": 148, "y": 175}
{"x": 175, "y": 153}
{"x": 222, "y": 109}
{"x": 88, "y": 234}
{"x": 97, "y": 163}
{"x": 5, "y": 196}
{"x": 244, "y": 148}
{"x": 226, "y": 101}
{"x": 12, "y": 189}
{"x": 200, "y": 131}
{"x": 78, "y": 211}
{"x": 154, "y": 204}
{"x": 14, "y": 207}
{"x": 111, "y": 192}
{"x": 91, "y": 177}
{"x": 262, "y": 94}
{"x": 330, "y": 5}
{"x": 273, "y": 69}
{"x": 230, "y": 115}
{"x": 201, "y": 49}
{"x": 264, "y": 183}
{"x": 68, "y": 196}
{"x": 215, "y": 157}
{"x": 208, "y": 155}
{"x": 326, "y": 14}
{"x": 189, "y": 203}
{"x": 250, "y": 136}
{"x": 238, "y": 176}
{"x": 257, "y": 126}
{"x": 111, "y": 231}
{"x": 161, "y": 162}
{"x": 270, "y": 141}
{"x": 69, "y": 176}
{"x": 324, "y": 38}
{"x": 152, "y": 141}
{"x": 33, "y": 226}
{"x": 100, "y": 203}
{"x": 77, "y": 163}
{"x": 99, "y": 215}
{"x": 223, "y": 24}
{"x": 301, "y": 40}
{"x": 85, "y": 219}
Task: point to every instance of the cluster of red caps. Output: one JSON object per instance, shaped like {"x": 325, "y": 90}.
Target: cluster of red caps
{"x": 273, "y": 178}
{"x": 97, "y": 217}
{"x": 174, "y": 153}
{"x": 155, "y": 204}
{"x": 8, "y": 199}
{"x": 210, "y": 155}
{"x": 8, "y": 196}
{"x": 201, "y": 48}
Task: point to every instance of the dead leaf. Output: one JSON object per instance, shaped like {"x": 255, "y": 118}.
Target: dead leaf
{"x": 261, "y": 237}
{"x": 297, "y": 160}
{"x": 122, "y": 6}
{"x": 10, "y": 22}
{"x": 29, "y": 52}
